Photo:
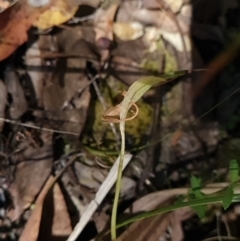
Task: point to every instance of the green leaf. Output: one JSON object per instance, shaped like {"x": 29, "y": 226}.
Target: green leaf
{"x": 200, "y": 210}
{"x": 134, "y": 93}
{"x": 234, "y": 171}
{"x": 196, "y": 186}
{"x": 227, "y": 197}
{"x": 192, "y": 203}
{"x": 195, "y": 182}
{"x": 140, "y": 87}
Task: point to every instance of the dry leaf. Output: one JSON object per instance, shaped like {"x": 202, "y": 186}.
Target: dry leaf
{"x": 150, "y": 228}
{"x": 103, "y": 22}
{"x": 128, "y": 31}
{"x": 33, "y": 167}
{"x": 16, "y": 21}
{"x": 61, "y": 221}
{"x": 31, "y": 230}
{"x": 14, "y": 24}
{"x": 55, "y": 220}
{"x": 58, "y": 13}
{"x": 178, "y": 216}
{"x": 155, "y": 227}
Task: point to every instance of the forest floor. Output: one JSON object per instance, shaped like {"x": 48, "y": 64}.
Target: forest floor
{"x": 66, "y": 66}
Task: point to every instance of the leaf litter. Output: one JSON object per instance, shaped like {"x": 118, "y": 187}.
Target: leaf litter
{"x": 63, "y": 63}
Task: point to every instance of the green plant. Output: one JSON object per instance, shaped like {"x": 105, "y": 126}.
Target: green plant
{"x": 197, "y": 200}
{"x": 134, "y": 93}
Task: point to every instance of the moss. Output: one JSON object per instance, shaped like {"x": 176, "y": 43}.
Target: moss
{"x": 170, "y": 60}
{"x": 150, "y": 65}
{"x": 139, "y": 127}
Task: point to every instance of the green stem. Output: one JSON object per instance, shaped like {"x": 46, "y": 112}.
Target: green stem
{"x": 118, "y": 182}
{"x": 192, "y": 203}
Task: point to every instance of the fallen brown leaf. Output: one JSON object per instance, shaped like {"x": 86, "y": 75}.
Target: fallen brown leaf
{"x": 17, "y": 20}
{"x": 14, "y": 24}
{"x": 55, "y": 220}
{"x": 31, "y": 230}
{"x": 56, "y": 14}
{"x": 153, "y": 228}
{"x": 150, "y": 228}
{"x": 178, "y": 216}
{"x": 61, "y": 221}
{"x": 34, "y": 165}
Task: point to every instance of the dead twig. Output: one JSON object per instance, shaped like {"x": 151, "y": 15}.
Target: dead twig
{"x": 37, "y": 127}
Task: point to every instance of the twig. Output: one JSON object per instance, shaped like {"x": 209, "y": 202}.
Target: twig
{"x": 37, "y": 127}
